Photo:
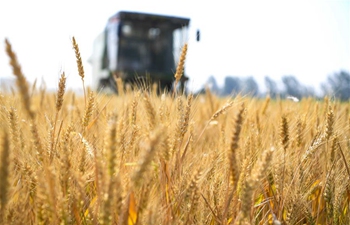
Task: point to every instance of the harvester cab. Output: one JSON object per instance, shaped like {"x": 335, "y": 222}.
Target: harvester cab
{"x": 138, "y": 46}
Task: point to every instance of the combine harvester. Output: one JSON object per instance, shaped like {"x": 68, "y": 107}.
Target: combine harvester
{"x": 139, "y": 47}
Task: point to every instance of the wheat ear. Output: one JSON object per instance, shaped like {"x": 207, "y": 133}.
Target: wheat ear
{"x": 246, "y": 199}
{"x": 59, "y": 103}
{"x": 313, "y": 147}
{"x": 265, "y": 105}
{"x": 180, "y": 66}
{"x": 89, "y": 109}
{"x": 222, "y": 110}
{"x": 284, "y": 133}
{"x": 120, "y": 85}
{"x": 79, "y": 64}
{"x": 37, "y": 142}
{"x": 193, "y": 192}
{"x": 16, "y": 135}
{"x": 300, "y": 131}
{"x": 132, "y": 124}
{"x": 151, "y": 113}
{"x": 234, "y": 146}
{"x": 112, "y": 201}
{"x": 112, "y": 146}
{"x": 60, "y": 92}
{"x": 284, "y": 138}
{"x": 330, "y": 123}
{"x": 21, "y": 80}
{"x": 180, "y": 115}
{"x": 186, "y": 118}
{"x": 209, "y": 96}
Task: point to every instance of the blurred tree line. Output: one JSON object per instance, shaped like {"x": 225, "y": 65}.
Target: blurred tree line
{"x": 337, "y": 85}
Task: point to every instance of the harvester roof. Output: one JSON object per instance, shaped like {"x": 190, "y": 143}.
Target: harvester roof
{"x": 176, "y": 22}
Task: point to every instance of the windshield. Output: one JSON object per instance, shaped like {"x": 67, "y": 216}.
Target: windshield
{"x": 146, "y": 48}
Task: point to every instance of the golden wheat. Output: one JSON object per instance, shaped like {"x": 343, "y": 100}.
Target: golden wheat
{"x": 172, "y": 161}
{"x": 21, "y": 81}
{"x": 180, "y": 67}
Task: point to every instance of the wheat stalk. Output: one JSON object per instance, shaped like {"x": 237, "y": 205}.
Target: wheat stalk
{"x": 4, "y": 175}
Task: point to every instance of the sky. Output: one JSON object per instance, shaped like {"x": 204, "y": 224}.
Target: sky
{"x": 305, "y": 38}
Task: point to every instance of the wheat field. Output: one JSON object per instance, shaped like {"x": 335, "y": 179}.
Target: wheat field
{"x": 143, "y": 158}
